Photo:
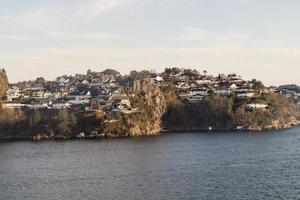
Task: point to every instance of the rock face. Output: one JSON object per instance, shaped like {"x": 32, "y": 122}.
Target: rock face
{"x": 281, "y": 124}
{"x": 3, "y": 82}
{"x": 146, "y": 120}
{"x": 153, "y": 106}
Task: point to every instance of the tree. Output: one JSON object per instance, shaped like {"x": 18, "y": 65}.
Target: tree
{"x": 73, "y": 119}
{"x": 30, "y": 123}
{"x": 291, "y": 87}
{"x": 228, "y": 107}
{"x": 111, "y": 72}
{"x": 63, "y": 116}
{"x": 36, "y": 117}
{"x": 258, "y": 85}
{"x": 63, "y": 128}
{"x": 40, "y": 81}
{"x": 89, "y": 71}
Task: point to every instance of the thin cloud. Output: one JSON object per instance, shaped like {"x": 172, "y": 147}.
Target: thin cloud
{"x": 232, "y": 37}
{"x": 61, "y": 35}
{"x": 55, "y": 34}
{"x": 97, "y": 7}
{"x": 190, "y": 33}
{"x": 14, "y": 37}
{"x": 245, "y": 2}
{"x": 100, "y": 36}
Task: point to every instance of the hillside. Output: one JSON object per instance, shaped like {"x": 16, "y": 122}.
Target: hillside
{"x": 107, "y": 104}
{"x": 227, "y": 113}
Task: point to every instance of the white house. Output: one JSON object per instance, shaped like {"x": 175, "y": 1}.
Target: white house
{"x": 195, "y": 99}
{"x": 59, "y": 106}
{"x": 85, "y": 82}
{"x": 233, "y": 86}
{"x": 202, "y": 92}
{"x": 244, "y": 95}
{"x": 79, "y": 101}
{"x": 257, "y": 106}
{"x": 203, "y": 81}
{"x": 158, "y": 79}
{"x": 37, "y": 106}
{"x": 13, "y": 105}
{"x": 62, "y": 79}
{"x": 13, "y": 93}
{"x": 223, "y": 92}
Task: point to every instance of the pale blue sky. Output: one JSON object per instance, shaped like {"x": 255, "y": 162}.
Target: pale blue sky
{"x": 254, "y": 38}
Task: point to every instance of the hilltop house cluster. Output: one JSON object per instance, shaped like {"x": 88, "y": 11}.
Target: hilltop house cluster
{"x": 104, "y": 91}
{"x": 192, "y": 86}
{"x": 94, "y": 91}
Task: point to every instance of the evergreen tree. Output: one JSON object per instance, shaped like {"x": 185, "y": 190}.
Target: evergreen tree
{"x": 37, "y": 117}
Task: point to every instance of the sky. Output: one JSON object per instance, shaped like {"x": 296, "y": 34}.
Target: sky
{"x": 253, "y": 38}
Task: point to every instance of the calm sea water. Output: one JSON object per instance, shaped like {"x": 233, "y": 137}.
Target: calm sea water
{"x": 173, "y": 166}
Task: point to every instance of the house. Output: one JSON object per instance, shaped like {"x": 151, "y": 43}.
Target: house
{"x": 158, "y": 79}
{"x": 88, "y": 109}
{"x": 257, "y": 106}
{"x": 200, "y": 92}
{"x": 47, "y": 95}
{"x": 79, "y": 101}
{"x": 122, "y": 105}
{"x": 244, "y": 92}
{"x": 13, "y": 105}
{"x": 88, "y": 95}
{"x": 273, "y": 89}
{"x": 233, "y": 78}
{"x": 63, "y": 81}
{"x": 183, "y": 97}
{"x": 244, "y": 95}
{"x": 85, "y": 82}
{"x": 38, "y": 94}
{"x": 125, "y": 103}
{"x": 59, "y": 106}
{"x": 195, "y": 99}
{"x": 13, "y": 93}
{"x": 203, "y": 81}
{"x": 223, "y": 92}
{"x": 296, "y": 96}
{"x": 233, "y": 86}
{"x": 37, "y": 106}
{"x": 96, "y": 104}
{"x": 182, "y": 85}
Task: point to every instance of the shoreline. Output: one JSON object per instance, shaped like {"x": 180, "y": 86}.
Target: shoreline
{"x": 75, "y": 137}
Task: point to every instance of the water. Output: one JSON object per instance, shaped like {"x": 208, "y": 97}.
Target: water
{"x": 175, "y": 166}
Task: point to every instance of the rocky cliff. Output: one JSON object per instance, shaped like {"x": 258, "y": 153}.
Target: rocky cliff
{"x": 146, "y": 120}
{"x": 3, "y": 82}
{"x": 153, "y": 105}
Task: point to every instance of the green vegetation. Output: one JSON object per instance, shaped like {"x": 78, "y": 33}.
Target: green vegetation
{"x": 214, "y": 111}
{"x": 291, "y": 87}
{"x": 19, "y": 124}
{"x": 225, "y": 113}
